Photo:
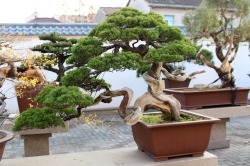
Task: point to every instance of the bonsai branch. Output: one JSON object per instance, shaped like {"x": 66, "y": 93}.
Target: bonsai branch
{"x": 71, "y": 116}
{"x": 129, "y": 118}
{"x": 206, "y": 62}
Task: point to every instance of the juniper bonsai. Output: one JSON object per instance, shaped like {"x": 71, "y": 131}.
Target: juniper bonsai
{"x": 226, "y": 23}
{"x": 128, "y": 39}
{"x": 58, "y": 49}
{"x": 135, "y": 41}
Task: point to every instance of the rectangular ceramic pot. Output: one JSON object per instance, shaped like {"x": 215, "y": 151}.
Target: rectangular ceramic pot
{"x": 176, "y": 84}
{"x": 167, "y": 140}
{"x": 194, "y": 98}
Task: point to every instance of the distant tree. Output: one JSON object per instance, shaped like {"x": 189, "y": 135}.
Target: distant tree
{"x": 227, "y": 23}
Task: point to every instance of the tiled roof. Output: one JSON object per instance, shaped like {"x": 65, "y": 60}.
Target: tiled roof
{"x": 32, "y": 29}
{"x": 110, "y": 10}
{"x": 175, "y": 3}
{"x": 44, "y": 20}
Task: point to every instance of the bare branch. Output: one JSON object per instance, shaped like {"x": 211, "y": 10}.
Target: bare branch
{"x": 206, "y": 62}
{"x": 195, "y": 73}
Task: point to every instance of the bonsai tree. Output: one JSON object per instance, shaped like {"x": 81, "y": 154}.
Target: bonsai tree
{"x": 27, "y": 78}
{"x": 225, "y": 22}
{"x": 128, "y": 39}
{"x": 58, "y": 50}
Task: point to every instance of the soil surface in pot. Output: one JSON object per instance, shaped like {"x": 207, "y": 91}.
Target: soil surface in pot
{"x": 167, "y": 118}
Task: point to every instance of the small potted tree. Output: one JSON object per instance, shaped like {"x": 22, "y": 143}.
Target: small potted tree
{"x": 129, "y": 39}
{"x": 227, "y": 25}
{"x": 36, "y": 125}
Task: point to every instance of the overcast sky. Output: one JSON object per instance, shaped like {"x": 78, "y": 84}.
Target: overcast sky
{"x": 16, "y": 11}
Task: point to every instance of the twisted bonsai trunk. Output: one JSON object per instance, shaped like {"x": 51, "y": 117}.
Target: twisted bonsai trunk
{"x": 155, "y": 98}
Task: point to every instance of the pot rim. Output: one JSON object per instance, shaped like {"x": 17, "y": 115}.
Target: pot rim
{"x": 197, "y": 90}
{"x": 9, "y": 136}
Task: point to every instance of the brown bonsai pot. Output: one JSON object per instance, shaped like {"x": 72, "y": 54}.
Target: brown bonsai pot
{"x": 167, "y": 140}
{"x": 176, "y": 84}
{"x": 26, "y": 99}
{"x": 5, "y": 136}
{"x": 193, "y": 98}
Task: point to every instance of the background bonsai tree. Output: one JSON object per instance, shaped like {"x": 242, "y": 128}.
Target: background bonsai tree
{"x": 225, "y": 22}
{"x": 9, "y": 56}
{"x": 58, "y": 50}
{"x": 128, "y": 39}
{"x": 54, "y": 112}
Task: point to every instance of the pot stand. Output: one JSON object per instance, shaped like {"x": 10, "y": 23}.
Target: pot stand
{"x": 218, "y": 138}
{"x": 36, "y": 144}
{"x": 36, "y": 141}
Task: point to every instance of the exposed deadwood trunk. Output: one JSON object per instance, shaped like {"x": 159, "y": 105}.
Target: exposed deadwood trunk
{"x": 224, "y": 71}
{"x": 155, "y": 98}
{"x": 34, "y": 72}
{"x": 130, "y": 118}
{"x": 11, "y": 71}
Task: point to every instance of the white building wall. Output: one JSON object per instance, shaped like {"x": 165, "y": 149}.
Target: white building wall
{"x": 100, "y": 17}
{"x": 177, "y": 13}
{"x": 128, "y": 78}
{"x": 141, "y": 5}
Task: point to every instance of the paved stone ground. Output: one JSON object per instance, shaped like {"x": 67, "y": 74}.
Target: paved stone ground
{"x": 238, "y": 154}
{"x": 112, "y": 133}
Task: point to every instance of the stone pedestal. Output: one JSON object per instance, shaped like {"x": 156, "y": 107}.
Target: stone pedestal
{"x": 218, "y": 138}
{"x": 36, "y": 141}
{"x": 36, "y": 144}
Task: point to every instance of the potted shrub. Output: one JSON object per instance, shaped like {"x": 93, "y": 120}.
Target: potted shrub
{"x": 52, "y": 56}
{"x": 36, "y": 125}
{"x": 226, "y": 24}
{"x": 27, "y": 85}
{"x": 28, "y": 78}
{"x": 128, "y": 39}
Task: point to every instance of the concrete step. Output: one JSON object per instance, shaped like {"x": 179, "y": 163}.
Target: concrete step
{"x": 115, "y": 157}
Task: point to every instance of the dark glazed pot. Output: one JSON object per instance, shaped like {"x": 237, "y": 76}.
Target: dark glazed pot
{"x": 5, "y": 136}
{"x": 193, "y": 98}
{"x": 176, "y": 84}
{"x": 167, "y": 140}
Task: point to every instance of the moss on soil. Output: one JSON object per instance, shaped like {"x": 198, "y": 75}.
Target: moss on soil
{"x": 167, "y": 118}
